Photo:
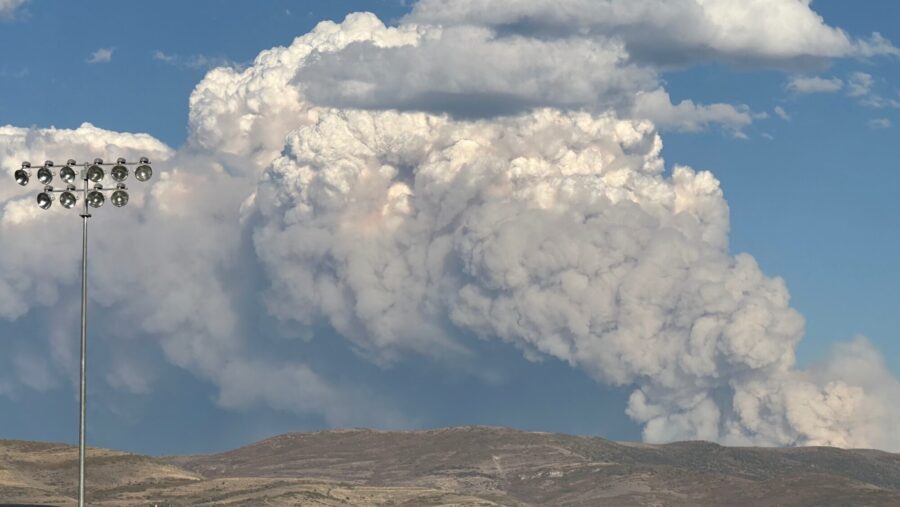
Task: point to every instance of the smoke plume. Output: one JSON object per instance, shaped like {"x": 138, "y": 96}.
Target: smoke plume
{"x": 358, "y": 169}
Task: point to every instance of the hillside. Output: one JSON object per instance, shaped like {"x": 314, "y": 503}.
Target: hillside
{"x": 458, "y": 466}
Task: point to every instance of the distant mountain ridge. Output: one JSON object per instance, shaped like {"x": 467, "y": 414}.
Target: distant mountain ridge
{"x": 464, "y": 466}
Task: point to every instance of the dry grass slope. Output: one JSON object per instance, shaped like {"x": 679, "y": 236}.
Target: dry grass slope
{"x": 471, "y": 466}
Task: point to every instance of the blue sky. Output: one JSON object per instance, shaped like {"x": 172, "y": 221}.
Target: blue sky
{"x": 134, "y": 92}
{"x": 812, "y": 198}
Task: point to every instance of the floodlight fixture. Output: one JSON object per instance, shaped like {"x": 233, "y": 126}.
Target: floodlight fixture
{"x": 67, "y": 174}
{"x": 22, "y": 177}
{"x": 45, "y": 199}
{"x": 119, "y": 198}
{"x": 44, "y": 175}
{"x": 67, "y": 199}
{"x": 95, "y": 173}
{"x": 119, "y": 172}
{"x": 144, "y": 172}
{"x": 95, "y": 198}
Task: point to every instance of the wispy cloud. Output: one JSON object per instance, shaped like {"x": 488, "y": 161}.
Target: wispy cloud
{"x": 879, "y": 123}
{"x": 876, "y": 45}
{"x": 102, "y": 55}
{"x": 8, "y": 8}
{"x": 193, "y": 61}
{"x": 800, "y": 84}
{"x": 781, "y": 113}
{"x": 14, "y": 74}
{"x": 859, "y": 84}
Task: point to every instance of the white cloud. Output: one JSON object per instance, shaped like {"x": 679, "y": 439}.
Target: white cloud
{"x": 678, "y": 31}
{"x": 512, "y": 74}
{"x": 781, "y": 113}
{"x": 860, "y": 84}
{"x": 192, "y": 61}
{"x": 876, "y": 45}
{"x": 102, "y": 55}
{"x": 688, "y": 116}
{"x": 8, "y": 7}
{"x": 800, "y": 84}
{"x": 879, "y": 123}
{"x": 861, "y": 87}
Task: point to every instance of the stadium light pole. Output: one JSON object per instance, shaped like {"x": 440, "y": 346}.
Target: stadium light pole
{"x": 91, "y": 173}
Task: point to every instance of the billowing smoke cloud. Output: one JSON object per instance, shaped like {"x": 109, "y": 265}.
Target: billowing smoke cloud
{"x": 558, "y": 233}
{"x": 166, "y": 267}
{"x": 553, "y": 227}
{"x": 248, "y": 113}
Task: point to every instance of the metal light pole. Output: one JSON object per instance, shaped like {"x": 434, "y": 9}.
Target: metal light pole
{"x": 92, "y": 197}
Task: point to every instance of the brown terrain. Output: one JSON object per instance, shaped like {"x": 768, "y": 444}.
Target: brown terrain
{"x": 471, "y": 466}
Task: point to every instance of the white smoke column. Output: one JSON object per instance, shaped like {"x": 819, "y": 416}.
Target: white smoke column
{"x": 162, "y": 269}
{"x": 248, "y": 112}
{"x": 558, "y": 233}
